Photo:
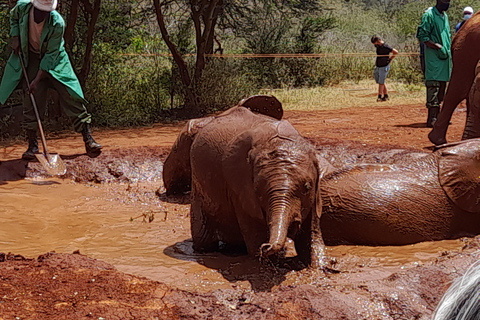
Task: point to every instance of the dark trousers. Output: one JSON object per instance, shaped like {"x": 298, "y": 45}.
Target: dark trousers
{"x": 435, "y": 93}
{"x": 72, "y": 107}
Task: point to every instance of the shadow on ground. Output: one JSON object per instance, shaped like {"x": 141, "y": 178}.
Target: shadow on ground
{"x": 13, "y": 170}
{"x": 412, "y": 125}
{"x": 262, "y": 275}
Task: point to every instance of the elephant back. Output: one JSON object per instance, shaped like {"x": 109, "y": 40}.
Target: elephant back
{"x": 459, "y": 173}
{"x": 377, "y": 204}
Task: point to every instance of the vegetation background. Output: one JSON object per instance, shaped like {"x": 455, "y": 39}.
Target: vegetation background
{"x": 124, "y": 58}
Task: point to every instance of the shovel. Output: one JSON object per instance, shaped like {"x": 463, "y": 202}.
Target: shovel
{"x": 51, "y": 162}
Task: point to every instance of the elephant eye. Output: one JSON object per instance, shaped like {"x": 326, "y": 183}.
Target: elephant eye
{"x": 308, "y": 186}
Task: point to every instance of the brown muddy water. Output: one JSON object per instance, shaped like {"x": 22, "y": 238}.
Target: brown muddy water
{"x": 110, "y": 222}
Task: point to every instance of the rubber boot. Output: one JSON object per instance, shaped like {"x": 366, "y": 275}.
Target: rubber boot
{"x": 32, "y": 145}
{"x": 91, "y": 146}
{"x": 432, "y": 116}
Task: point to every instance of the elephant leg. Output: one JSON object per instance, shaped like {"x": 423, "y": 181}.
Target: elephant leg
{"x": 458, "y": 88}
{"x": 203, "y": 231}
{"x": 472, "y": 125}
{"x": 254, "y": 233}
{"x": 309, "y": 243}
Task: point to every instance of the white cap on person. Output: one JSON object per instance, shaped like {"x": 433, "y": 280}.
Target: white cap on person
{"x": 468, "y": 10}
{"x": 45, "y": 5}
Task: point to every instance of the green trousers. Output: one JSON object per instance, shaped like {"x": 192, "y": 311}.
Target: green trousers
{"x": 435, "y": 93}
{"x": 74, "y": 109}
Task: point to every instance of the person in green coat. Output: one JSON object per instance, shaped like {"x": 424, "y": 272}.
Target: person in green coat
{"x": 434, "y": 33}
{"x": 37, "y": 38}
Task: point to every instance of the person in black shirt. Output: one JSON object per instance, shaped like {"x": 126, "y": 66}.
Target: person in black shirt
{"x": 385, "y": 55}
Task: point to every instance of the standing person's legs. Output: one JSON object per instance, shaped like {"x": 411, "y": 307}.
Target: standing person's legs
{"x": 376, "y": 75}
{"x": 29, "y": 119}
{"x": 382, "y": 77}
{"x": 78, "y": 113}
{"x": 434, "y": 98}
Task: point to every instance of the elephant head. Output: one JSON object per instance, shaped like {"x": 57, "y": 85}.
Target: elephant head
{"x": 459, "y": 173}
{"x": 177, "y": 175}
{"x": 275, "y": 173}
{"x": 264, "y": 104}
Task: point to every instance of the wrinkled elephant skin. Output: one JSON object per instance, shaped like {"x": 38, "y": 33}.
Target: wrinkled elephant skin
{"x": 435, "y": 197}
{"x": 472, "y": 125}
{"x": 254, "y": 181}
{"x": 177, "y": 175}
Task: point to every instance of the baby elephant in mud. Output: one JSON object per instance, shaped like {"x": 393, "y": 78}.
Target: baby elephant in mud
{"x": 254, "y": 182}
{"x": 432, "y": 196}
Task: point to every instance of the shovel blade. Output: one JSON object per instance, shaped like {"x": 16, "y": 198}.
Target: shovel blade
{"x": 52, "y": 163}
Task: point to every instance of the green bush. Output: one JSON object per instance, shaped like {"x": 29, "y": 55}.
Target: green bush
{"x": 127, "y": 91}
{"x": 4, "y": 36}
{"x": 223, "y": 84}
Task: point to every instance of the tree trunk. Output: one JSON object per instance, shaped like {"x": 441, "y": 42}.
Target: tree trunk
{"x": 191, "y": 99}
{"x": 87, "y": 59}
{"x": 205, "y": 12}
{"x": 72, "y": 21}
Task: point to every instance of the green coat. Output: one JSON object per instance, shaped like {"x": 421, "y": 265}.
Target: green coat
{"x": 54, "y": 58}
{"x": 435, "y": 27}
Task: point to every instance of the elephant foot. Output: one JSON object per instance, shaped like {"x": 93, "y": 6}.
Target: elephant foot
{"x": 318, "y": 259}
{"x": 436, "y": 139}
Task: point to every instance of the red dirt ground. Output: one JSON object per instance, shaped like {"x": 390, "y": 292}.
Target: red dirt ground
{"x": 73, "y": 286}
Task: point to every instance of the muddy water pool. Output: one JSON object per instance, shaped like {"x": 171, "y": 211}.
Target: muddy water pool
{"x": 110, "y": 222}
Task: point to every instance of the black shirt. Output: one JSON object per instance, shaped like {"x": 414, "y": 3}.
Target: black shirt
{"x": 384, "y": 49}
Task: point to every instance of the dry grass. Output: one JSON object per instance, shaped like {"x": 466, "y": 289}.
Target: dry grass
{"x": 347, "y": 94}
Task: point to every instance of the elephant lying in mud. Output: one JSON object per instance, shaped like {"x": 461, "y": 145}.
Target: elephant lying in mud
{"x": 254, "y": 181}
{"x": 432, "y": 196}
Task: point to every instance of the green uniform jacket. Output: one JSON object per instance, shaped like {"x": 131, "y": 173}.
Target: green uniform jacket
{"x": 53, "y": 57}
{"x": 435, "y": 27}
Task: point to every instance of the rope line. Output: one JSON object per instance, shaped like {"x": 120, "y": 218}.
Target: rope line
{"x": 276, "y": 55}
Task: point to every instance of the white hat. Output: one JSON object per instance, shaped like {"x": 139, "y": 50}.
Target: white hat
{"x": 468, "y": 9}
{"x": 45, "y": 5}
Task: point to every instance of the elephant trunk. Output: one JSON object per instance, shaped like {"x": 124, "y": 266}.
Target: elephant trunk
{"x": 280, "y": 215}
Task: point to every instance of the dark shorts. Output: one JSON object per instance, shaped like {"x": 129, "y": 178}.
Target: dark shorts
{"x": 380, "y": 74}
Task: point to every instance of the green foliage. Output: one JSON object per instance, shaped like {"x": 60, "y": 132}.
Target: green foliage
{"x": 310, "y": 29}
{"x": 136, "y": 90}
{"x": 408, "y": 19}
{"x": 4, "y": 30}
{"x": 234, "y": 84}
{"x": 125, "y": 91}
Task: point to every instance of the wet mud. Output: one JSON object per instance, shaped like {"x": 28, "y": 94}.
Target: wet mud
{"x": 154, "y": 273}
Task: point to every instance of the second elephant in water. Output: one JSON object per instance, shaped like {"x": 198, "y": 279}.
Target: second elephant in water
{"x": 254, "y": 182}
{"x": 432, "y": 197}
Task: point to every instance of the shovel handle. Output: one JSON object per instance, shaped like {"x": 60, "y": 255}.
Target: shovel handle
{"x": 32, "y": 98}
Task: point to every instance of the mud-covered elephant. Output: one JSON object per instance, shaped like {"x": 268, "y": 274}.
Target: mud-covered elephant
{"x": 177, "y": 174}
{"x": 432, "y": 197}
{"x": 472, "y": 125}
{"x": 465, "y": 56}
{"x": 254, "y": 183}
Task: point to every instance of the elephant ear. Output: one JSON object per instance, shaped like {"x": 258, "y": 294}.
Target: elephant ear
{"x": 459, "y": 173}
{"x": 177, "y": 174}
{"x": 264, "y": 104}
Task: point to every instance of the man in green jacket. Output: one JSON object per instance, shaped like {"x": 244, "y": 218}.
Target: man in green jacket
{"x": 37, "y": 38}
{"x": 434, "y": 32}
